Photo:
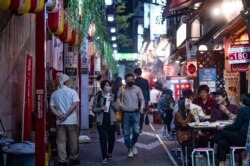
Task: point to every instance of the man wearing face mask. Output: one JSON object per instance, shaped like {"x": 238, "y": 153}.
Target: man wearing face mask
{"x": 129, "y": 102}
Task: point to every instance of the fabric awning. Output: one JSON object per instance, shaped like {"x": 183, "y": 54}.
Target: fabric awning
{"x": 231, "y": 27}
{"x": 179, "y": 4}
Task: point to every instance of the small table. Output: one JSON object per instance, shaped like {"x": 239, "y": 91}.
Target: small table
{"x": 205, "y": 126}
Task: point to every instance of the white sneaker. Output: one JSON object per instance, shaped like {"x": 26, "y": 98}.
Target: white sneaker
{"x": 130, "y": 154}
{"x": 134, "y": 150}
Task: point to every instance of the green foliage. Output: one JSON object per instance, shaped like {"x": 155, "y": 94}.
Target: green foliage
{"x": 124, "y": 40}
{"x": 93, "y": 12}
{"x": 122, "y": 25}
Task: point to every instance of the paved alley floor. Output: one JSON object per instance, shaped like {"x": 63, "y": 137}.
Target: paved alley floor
{"x": 153, "y": 150}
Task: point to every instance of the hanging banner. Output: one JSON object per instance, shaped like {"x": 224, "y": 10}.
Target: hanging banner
{"x": 27, "y": 114}
{"x": 239, "y": 54}
{"x": 57, "y": 52}
{"x": 232, "y": 86}
{"x": 207, "y": 76}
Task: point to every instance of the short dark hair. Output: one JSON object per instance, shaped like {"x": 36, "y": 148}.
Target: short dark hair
{"x": 245, "y": 99}
{"x": 138, "y": 71}
{"x": 99, "y": 77}
{"x": 203, "y": 87}
{"x": 129, "y": 75}
{"x": 104, "y": 82}
{"x": 187, "y": 93}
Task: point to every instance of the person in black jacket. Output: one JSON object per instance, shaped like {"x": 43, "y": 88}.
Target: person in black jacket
{"x": 236, "y": 133}
{"x": 144, "y": 85}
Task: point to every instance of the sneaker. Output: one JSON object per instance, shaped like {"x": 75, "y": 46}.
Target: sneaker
{"x": 109, "y": 156}
{"x": 105, "y": 161}
{"x": 74, "y": 162}
{"x": 134, "y": 150}
{"x": 130, "y": 154}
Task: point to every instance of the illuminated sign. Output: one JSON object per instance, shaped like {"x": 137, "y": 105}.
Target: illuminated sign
{"x": 157, "y": 27}
{"x": 239, "y": 54}
{"x": 126, "y": 56}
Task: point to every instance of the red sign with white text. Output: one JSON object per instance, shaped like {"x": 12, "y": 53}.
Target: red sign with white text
{"x": 242, "y": 67}
{"x": 27, "y": 121}
{"x": 178, "y": 89}
{"x": 239, "y": 54}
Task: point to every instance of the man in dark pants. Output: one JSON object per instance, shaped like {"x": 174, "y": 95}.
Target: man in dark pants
{"x": 144, "y": 85}
{"x": 236, "y": 133}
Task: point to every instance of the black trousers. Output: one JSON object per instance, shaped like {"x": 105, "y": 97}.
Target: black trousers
{"x": 225, "y": 139}
{"x": 142, "y": 116}
{"x": 167, "y": 118}
{"x": 107, "y": 139}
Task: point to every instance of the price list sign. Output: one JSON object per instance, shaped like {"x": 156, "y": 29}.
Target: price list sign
{"x": 207, "y": 76}
{"x": 239, "y": 54}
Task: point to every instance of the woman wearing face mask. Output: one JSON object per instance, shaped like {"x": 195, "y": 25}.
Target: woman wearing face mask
{"x": 104, "y": 108}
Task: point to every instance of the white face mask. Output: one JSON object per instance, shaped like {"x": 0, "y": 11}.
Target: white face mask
{"x": 107, "y": 89}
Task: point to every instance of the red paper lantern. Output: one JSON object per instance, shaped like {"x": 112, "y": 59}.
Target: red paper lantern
{"x": 52, "y": 6}
{"x": 36, "y": 6}
{"x": 53, "y": 21}
{"x": 64, "y": 35}
{"x": 4, "y": 4}
{"x": 14, "y": 5}
{"x": 73, "y": 39}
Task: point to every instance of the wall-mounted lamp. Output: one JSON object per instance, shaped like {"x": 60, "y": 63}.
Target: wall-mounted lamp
{"x": 114, "y": 45}
{"x": 203, "y": 47}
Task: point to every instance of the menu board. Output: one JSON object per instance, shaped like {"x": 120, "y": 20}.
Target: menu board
{"x": 207, "y": 76}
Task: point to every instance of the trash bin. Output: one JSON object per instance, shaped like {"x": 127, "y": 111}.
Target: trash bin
{"x": 21, "y": 154}
{"x": 4, "y": 142}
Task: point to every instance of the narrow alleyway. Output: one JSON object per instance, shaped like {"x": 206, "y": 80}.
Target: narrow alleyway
{"x": 153, "y": 150}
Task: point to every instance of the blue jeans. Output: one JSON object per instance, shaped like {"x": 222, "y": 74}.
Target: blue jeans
{"x": 131, "y": 120}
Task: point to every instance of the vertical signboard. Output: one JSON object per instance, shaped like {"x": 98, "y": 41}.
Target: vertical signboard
{"x": 71, "y": 65}
{"x": 27, "y": 120}
{"x": 57, "y": 53}
{"x": 40, "y": 90}
{"x": 232, "y": 86}
{"x": 157, "y": 26}
{"x": 207, "y": 76}
{"x": 84, "y": 84}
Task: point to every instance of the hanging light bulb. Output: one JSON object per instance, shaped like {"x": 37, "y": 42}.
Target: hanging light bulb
{"x": 108, "y": 2}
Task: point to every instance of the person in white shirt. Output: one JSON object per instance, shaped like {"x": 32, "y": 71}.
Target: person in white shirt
{"x": 194, "y": 109}
{"x": 63, "y": 104}
{"x": 155, "y": 94}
